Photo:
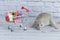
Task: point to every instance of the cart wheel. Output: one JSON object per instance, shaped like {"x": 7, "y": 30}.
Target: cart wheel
{"x": 9, "y": 28}
{"x": 25, "y": 29}
{"x": 20, "y": 26}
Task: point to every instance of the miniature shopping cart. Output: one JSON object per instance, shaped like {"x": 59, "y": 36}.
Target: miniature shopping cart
{"x": 14, "y": 17}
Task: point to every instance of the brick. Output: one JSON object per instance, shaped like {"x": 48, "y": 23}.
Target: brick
{"x": 50, "y": 0}
{"x": 30, "y": 0}
{"x": 36, "y": 6}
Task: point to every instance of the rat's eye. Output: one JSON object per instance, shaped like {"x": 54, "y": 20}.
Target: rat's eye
{"x": 41, "y": 25}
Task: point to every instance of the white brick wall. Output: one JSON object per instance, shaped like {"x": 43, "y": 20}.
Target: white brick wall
{"x": 35, "y": 6}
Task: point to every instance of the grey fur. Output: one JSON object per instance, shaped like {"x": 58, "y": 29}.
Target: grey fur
{"x": 42, "y": 20}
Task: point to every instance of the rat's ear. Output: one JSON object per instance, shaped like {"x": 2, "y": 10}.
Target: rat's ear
{"x": 37, "y": 27}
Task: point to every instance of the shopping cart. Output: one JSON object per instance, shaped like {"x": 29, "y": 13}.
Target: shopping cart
{"x": 15, "y": 17}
